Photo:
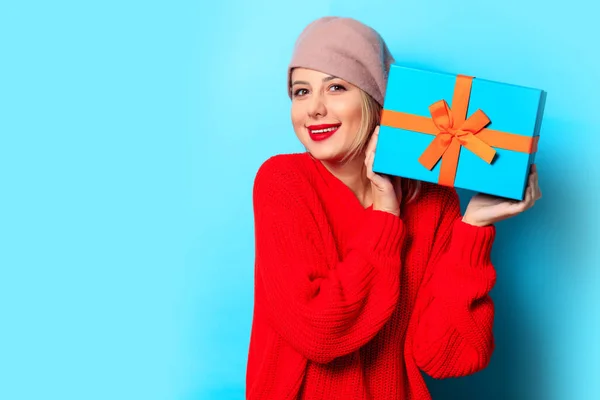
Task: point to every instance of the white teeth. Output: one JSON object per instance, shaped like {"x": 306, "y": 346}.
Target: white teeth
{"x": 325, "y": 130}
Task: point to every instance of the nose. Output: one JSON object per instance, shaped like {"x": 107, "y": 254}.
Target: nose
{"x": 317, "y": 106}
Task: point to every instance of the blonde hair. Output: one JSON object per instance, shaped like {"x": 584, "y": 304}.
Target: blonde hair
{"x": 371, "y": 117}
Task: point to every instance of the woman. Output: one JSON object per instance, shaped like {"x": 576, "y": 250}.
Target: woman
{"x": 362, "y": 280}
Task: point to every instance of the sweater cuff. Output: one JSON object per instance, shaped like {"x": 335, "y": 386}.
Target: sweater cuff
{"x": 380, "y": 234}
{"x": 469, "y": 274}
{"x": 471, "y": 244}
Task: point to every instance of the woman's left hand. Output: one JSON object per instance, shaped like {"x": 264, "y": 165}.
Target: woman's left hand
{"x": 485, "y": 210}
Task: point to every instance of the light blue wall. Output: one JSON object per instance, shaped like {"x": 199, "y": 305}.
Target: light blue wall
{"x": 130, "y": 133}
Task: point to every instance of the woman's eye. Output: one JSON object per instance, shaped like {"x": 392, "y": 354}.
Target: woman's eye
{"x": 338, "y": 87}
{"x": 299, "y": 92}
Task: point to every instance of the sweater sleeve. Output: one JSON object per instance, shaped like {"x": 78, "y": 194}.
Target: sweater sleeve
{"x": 454, "y": 333}
{"x": 323, "y": 306}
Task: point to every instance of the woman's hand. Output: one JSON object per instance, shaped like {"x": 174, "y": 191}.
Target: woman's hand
{"x": 386, "y": 190}
{"x": 486, "y": 210}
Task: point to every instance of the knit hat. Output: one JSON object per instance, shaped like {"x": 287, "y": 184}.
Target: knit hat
{"x": 347, "y": 49}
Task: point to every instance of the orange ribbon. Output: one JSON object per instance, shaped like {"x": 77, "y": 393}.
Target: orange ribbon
{"x": 453, "y": 130}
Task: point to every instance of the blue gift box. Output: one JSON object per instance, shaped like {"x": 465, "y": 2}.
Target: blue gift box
{"x": 486, "y": 142}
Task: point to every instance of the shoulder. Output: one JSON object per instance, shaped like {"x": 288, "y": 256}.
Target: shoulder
{"x": 280, "y": 166}
{"x": 283, "y": 172}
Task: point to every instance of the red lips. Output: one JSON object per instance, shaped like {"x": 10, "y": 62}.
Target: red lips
{"x": 322, "y": 135}
{"x": 322, "y": 126}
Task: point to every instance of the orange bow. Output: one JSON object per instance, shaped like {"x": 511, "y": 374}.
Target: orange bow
{"x": 452, "y": 130}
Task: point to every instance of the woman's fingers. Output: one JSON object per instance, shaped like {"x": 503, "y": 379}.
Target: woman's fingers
{"x": 536, "y": 185}
{"x": 379, "y": 181}
{"x": 373, "y": 141}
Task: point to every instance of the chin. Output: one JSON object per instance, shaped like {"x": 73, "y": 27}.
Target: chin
{"x": 331, "y": 155}
{"x": 327, "y": 150}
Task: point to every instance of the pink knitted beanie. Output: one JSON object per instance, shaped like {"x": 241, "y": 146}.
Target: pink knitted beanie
{"x": 347, "y": 49}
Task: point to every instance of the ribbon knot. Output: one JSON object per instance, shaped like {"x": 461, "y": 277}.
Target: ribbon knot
{"x": 453, "y": 130}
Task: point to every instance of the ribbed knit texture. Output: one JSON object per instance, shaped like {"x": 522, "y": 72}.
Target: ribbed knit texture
{"x": 351, "y": 302}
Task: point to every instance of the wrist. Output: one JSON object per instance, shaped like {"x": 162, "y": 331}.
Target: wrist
{"x": 466, "y": 219}
{"x": 395, "y": 211}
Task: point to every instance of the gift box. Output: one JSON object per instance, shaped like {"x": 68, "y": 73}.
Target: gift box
{"x": 460, "y": 131}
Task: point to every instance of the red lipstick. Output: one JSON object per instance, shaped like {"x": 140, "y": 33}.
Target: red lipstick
{"x": 322, "y": 131}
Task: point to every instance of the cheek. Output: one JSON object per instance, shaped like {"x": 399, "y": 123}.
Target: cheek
{"x": 297, "y": 122}
{"x": 295, "y": 114}
{"x": 298, "y": 117}
{"x": 348, "y": 112}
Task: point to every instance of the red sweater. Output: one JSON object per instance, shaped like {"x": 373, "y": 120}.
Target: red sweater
{"x": 353, "y": 303}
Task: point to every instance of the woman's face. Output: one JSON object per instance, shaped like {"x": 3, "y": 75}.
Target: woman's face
{"x": 326, "y": 113}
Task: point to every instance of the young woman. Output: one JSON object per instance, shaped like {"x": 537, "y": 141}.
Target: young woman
{"x": 362, "y": 280}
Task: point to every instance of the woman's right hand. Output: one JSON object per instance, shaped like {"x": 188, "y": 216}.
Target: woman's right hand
{"x": 386, "y": 190}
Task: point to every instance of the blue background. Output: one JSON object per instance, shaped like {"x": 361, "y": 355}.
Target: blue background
{"x": 130, "y": 133}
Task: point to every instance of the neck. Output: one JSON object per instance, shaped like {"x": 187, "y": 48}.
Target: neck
{"x": 354, "y": 175}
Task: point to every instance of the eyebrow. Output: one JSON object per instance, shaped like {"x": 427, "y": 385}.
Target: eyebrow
{"x": 326, "y": 79}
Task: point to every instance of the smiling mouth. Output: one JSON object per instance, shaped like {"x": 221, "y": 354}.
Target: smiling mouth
{"x": 321, "y": 132}
{"x": 322, "y": 129}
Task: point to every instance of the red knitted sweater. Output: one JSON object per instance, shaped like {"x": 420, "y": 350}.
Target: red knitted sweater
{"x": 353, "y": 303}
